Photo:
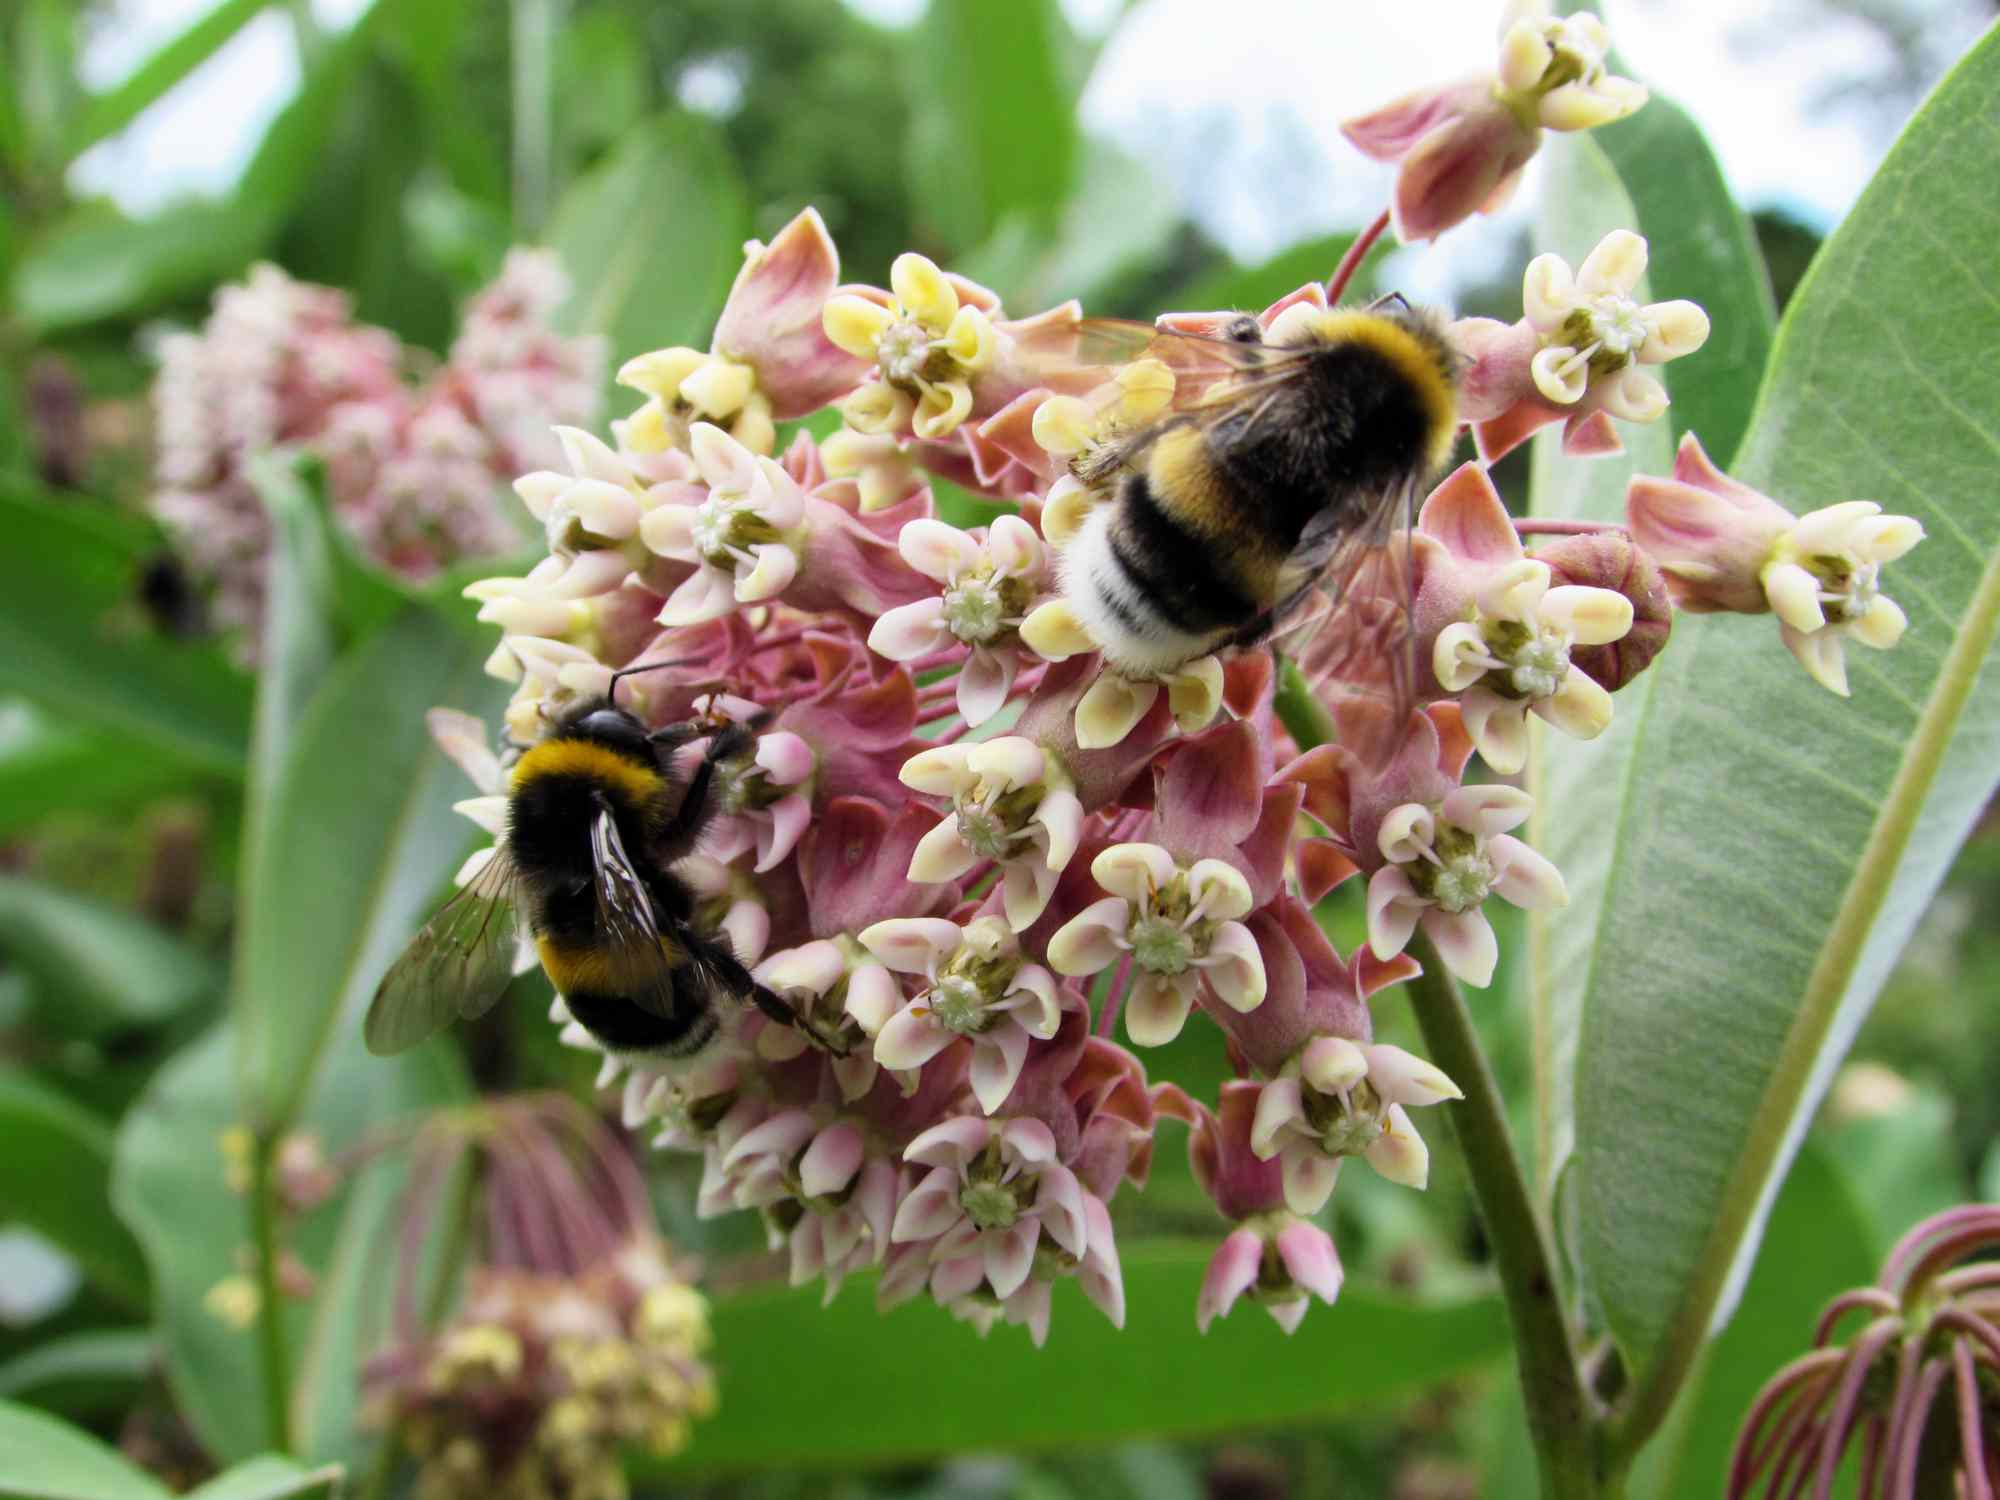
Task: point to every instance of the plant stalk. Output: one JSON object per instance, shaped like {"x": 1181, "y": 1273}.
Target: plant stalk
{"x": 1563, "y": 1418}
{"x": 277, "y": 1369}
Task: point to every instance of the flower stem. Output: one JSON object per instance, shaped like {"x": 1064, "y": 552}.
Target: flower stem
{"x": 1563, "y": 1418}
{"x": 277, "y": 1370}
{"x": 1533, "y": 526}
{"x": 1336, "y": 284}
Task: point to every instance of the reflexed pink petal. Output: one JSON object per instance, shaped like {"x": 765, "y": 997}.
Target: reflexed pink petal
{"x": 786, "y": 759}
{"x": 1101, "y": 1276}
{"x": 831, "y": 1160}
{"x": 1059, "y": 1203}
{"x": 1309, "y": 1255}
{"x": 983, "y": 683}
{"x": 808, "y": 1251}
{"x": 910, "y": 630}
{"x": 1010, "y": 1255}
{"x": 1029, "y": 1307}
{"x": 1403, "y": 1078}
{"x": 1393, "y": 909}
{"x": 1388, "y": 133}
{"x": 951, "y": 1144}
{"x": 1465, "y": 942}
{"x": 961, "y": 1241}
{"x": 1232, "y": 1270}
{"x": 772, "y": 319}
{"x": 997, "y": 1056}
{"x": 1279, "y": 1104}
{"x": 1015, "y": 549}
{"x": 1487, "y": 808}
{"x": 937, "y": 550}
{"x": 1024, "y": 894}
{"x": 958, "y": 1277}
{"x": 930, "y": 1208}
{"x": 912, "y": 945}
{"x": 1591, "y": 435}
{"x": 1062, "y": 814}
{"x": 875, "y": 1201}
{"x": 782, "y": 1135}
{"x": 904, "y": 1275}
{"x": 1467, "y": 514}
{"x": 777, "y": 836}
{"x": 911, "y": 1038}
{"x": 811, "y": 966}
{"x": 1454, "y": 171}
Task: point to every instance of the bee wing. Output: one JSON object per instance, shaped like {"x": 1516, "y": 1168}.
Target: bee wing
{"x": 640, "y": 959}
{"x": 455, "y": 968}
{"x": 1360, "y": 654}
{"x": 1212, "y": 376}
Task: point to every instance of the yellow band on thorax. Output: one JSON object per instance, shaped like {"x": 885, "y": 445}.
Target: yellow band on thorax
{"x": 588, "y": 759}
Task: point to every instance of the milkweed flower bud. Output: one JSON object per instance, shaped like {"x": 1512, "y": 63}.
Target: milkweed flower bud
{"x": 1611, "y": 560}
{"x": 1724, "y": 546}
{"x": 1462, "y": 146}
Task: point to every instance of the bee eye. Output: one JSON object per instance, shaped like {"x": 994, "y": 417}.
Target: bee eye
{"x": 1243, "y": 330}
{"x": 613, "y": 726}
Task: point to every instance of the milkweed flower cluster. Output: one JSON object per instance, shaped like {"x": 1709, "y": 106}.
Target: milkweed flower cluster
{"x": 992, "y": 871}
{"x": 417, "y": 474}
{"x": 577, "y": 1335}
{"x": 1908, "y": 1394}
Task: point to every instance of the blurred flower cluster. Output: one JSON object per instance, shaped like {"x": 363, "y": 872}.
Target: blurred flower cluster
{"x": 967, "y": 851}
{"x": 577, "y": 1334}
{"x": 417, "y": 472}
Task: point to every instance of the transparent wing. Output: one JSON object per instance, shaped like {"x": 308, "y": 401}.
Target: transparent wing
{"x": 639, "y": 960}
{"x": 1359, "y": 652}
{"x": 455, "y": 968}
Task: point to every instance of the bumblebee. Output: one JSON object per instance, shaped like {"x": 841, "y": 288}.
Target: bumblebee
{"x": 1280, "y": 468}
{"x": 593, "y": 822}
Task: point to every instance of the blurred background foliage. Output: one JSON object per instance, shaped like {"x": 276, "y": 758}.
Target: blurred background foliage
{"x": 141, "y": 789}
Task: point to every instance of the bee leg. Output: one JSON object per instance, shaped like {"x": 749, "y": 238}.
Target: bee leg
{"x": 732, "y": 973}
{"x": 681, "y": 831}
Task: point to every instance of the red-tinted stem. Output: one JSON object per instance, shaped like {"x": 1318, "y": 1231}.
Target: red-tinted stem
{"x": 1336, "y": 286}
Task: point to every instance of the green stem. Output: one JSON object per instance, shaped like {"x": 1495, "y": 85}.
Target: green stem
{"x": 277, "y": 1369}
{"x": 1563, "y": 1418}
{"x": 533, "y": 41}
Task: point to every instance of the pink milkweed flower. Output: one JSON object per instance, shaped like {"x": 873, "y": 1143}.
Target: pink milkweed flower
{"x": 1443, "y": 861}
{"x": 1724, "y": 546}
{"x": 1338, "y": 1098}
{"x": 1312, "y": 991}
{"x": 1279, "y": 1259}
{"x": 1462, "y": 146}
{"x": 1506, "y": 650}
{"x": 1011, "y": 803}
{"x": 976, "y": 986}
{"x": 1577, "y": 355}
{"x": 742, "y": 535}
{"x": 1210, "y": 800}
{"x": 1180, "y": 926}
{"x": 989, "y": 583}
{"x": 766, "y": 804}
{"x": 839, "y": 993}
{"x": 827, "y": 1199}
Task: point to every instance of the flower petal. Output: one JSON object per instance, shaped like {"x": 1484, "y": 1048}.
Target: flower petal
{"x": 1232, "y": 1270}
{"x": 1399, "y": 1153}
{"x": 1309, "y": 1176}
{"x": 1157, "y": 1007}
{"x": 997, "y": 1056}
{"x": 912, "y": 945}
{"x": 1089, "y": 942}
{"x": 911, "y": 1038}
{"x": 1134, "y": 871}
{"x": 1525, "y": 876}
{"x": 1393, "y": 909}
{"x": 1235, "y": 967}
{"x": 1465, "y": 942}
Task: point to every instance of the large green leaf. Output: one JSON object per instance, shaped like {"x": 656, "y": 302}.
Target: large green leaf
{"x": 653, "y": 237}
{"x": 1816, "y": 1247}
{"x": 1092, "y": 1385}
{"x": 73, "y": 637}
{"x": 354, "y": 840}
{"x": 48, "y": 767}
{"x": 55, "y": 1174}
{"x": 117, "y": 107}
{"x": 107, "y": 968}
{"x": 45, "y": 1459}
{"x": 993, "y": 132}
{"x": 1770, "y": 846}
{"x": 169, "y": 1186}
{"x": 270, "y": 1476}
{"x": 93, "y": 1374}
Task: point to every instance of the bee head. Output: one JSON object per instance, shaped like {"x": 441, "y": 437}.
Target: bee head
{"x": 611, "y": 727}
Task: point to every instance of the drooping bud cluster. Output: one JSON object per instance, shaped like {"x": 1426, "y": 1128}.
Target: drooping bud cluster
{"x": 417, "y": 474}
{"x": 964, "y": 847}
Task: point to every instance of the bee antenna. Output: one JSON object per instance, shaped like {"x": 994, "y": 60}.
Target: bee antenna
{"x": 1386, "y": 298}
{"x": 611, "y": 693}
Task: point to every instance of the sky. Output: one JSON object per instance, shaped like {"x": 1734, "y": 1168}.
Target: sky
{"x": 1242, "y": 120}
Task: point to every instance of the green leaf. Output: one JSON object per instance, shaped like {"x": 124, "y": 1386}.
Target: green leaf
{"x": 46, "y": 768}
{"x": 1816, "y": 1247}
{"x": 45, "y": 1459}
{"x": 1771, "y": 846}
{"x": 1577, "y": 789}
{"x": 653, "y": 238}
{"x": 93, "y": 1374}
{"x": 1093, "y": 1384}
{"x": 1253, "y": 288}
{"x": 108, "y": 969}
{"x": 54, "y": 1176}
{"x": 994, "y": 116}
{"x": 1903, "y": 1162}
{"x": 355, "y": 840}
{"x": 1704, "y": 249}
{"x": 169, "y": 1186}
{"x": 111, "y": 111}
{"x": 271, "y": 1477}
{"x": 73, "y": 637}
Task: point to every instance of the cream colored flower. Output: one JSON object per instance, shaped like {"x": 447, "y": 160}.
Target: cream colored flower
{"x": 927, "y": 349}
{"x": 685, "y": 386}
{"x": 1594, "y": 336}
{"x": 1822, "y": 582}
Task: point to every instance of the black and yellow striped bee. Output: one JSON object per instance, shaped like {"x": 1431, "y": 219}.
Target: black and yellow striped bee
{"x": 1279, "y": 468}
{"x": 594, "y": 819}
